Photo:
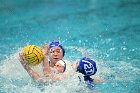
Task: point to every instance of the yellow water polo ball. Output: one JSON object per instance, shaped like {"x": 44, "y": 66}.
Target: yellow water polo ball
{"x": 33, "y": 54}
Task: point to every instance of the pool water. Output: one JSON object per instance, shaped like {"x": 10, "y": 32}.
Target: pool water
{"x": 109, "y": 32}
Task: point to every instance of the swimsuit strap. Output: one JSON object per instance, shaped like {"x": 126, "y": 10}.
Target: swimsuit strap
{"x": 64, "y": 65}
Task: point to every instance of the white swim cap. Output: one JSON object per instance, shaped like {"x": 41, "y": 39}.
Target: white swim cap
{"x": 62, "y": 63}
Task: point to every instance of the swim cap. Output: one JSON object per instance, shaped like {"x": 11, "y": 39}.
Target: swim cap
{"x": 62, "y": 63}
{"x": 87, "y": 67}
{"x": 56, "y": 43}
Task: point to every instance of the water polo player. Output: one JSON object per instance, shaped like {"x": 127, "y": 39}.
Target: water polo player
{"x": 54, "y": 51}
{"x": 87, "y": 68}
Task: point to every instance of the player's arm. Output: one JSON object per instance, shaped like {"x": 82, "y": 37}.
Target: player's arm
{"x": 98, "y": 80}
{"x": 56, "y": 77}
{"x": 32, "y": 73}
{"x": 46, "y": 67}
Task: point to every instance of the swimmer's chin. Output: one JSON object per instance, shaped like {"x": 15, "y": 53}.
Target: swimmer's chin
{"x": 56, "y": 59}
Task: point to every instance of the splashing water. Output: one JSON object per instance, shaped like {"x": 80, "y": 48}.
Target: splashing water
{"x": 107, "y": 30}
{"x": 15, "y": 79}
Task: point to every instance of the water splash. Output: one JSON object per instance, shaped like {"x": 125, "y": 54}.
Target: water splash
{"x": 118, "y": 74}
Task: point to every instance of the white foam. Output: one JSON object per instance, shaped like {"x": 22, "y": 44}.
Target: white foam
{"x": 13, "y": 76}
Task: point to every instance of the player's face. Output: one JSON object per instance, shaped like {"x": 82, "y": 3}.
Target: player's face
{"x": 55, "y": 54}
{"x": 59, "y": 68}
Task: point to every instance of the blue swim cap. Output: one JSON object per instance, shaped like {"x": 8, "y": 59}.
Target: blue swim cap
{"x": 87, "y": 67}
{"x": 56, "y": 43}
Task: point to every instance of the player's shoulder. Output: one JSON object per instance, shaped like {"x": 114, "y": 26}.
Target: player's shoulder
{"x": 68, "y": 62}
{"x": 68, "y": 65}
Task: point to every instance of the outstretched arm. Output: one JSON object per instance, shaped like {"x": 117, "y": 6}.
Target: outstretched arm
{"x": 46, "y": 67}
{"x": 32, "y": 73}
{"x": 98, "y": 80}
